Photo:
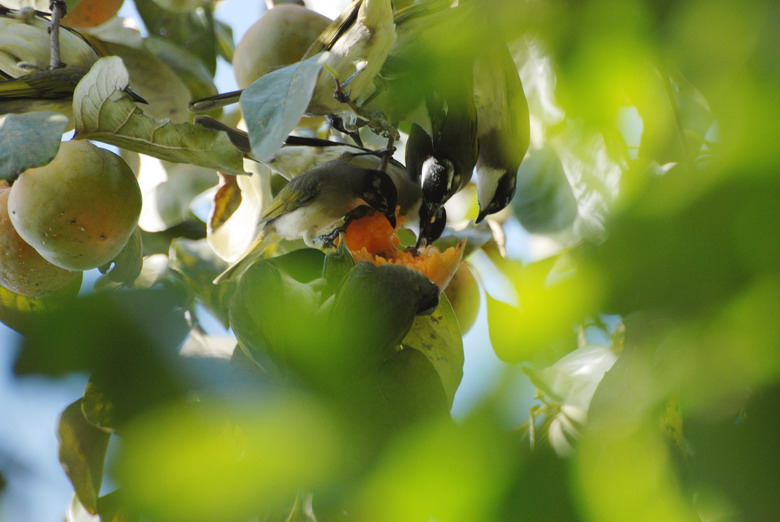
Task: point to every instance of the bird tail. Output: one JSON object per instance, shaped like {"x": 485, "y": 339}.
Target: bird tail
{"x": 247, "y": 259}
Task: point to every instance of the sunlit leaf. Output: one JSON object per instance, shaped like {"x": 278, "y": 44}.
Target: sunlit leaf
{"x": 17, "y": 131}
{"x": 82, "y": 450}
{"x": 553, "y": 298}
{"x": 609, "y": 485}
{"x": 261, "y": 454}
{"x": 104, "y": 113}
{"x": 274, "y": 103}
{"x": 438, "y": 471}
{"x": 154, "y": 81}
{"x": 232, "y": 225}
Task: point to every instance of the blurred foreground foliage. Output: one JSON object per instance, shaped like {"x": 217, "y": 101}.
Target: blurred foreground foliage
{"x": 653, "y": 172}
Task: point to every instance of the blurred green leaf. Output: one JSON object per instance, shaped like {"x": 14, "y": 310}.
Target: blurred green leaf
{"x": 274, "y": 103}
{"x": 225, "y": 45}
{"x": 439, "y": 471}
{"x": 82, "y": 450}
{"x": 438, "y": 337}
{"x": 734, "y": 462}
{"x": 374, "y": 309}
{"x": 97, "y": 408}
{"x": 17, "y": 131}
{"x": 685, "y": 250}
{"x": 102, "y": 113}
{"x": 544, "y": 201}
{"x": 16, "y": 310}
{"x": 182, "y": 6}
{"x": 281, "y": 328}
{"x": 260, "y": 452}
{"x": 198, "y": 265}
{"x": 554, "y": 297}
{"x": 125, "y": 339}
{"x": 336, "y": 267}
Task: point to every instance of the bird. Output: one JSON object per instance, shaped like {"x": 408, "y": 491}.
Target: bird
{"x": 503, "y": 126}
{"x": 300, "y": 153}
{"x": 26, "y": 81}
{"x": 358, "y": 42}
{"x": 312, "y": 204}
{"x": 428, "y": 81}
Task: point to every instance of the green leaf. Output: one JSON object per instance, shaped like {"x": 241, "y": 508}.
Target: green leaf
{"x": 437, "y": 336}
{"x": 193, "y": 30}
{"x": 374, "y": 309}
{"x": 181, "y": 6}
{"x": 153, "y": 80}
{"x": 17, "y": 131}
{"x": 279, "y": 328}
{"x": 102, "y": 112}
{"x": 127, "y": 265}
{"x": 411, "y": 389}
{"x": 544, "y": 201}
{"x": 336, "y": 267}
{"x": 198, "y": 265}
{"x": 126, "y": 340}
{"x": 98, "y": 408}
{"x": 190, "y": 70}
{"x": 82, "y": 450}
{"x": 304, "y": 265}
{"x": 16, "y": 310}
{"x": 273, "y": 104}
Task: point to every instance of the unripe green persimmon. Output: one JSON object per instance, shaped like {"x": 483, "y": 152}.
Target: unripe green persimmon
{"x": 463, "y": 294}
{"x": 22, "y": 269}
{"x": 279, "y": 38}
{"x": 79, "y": 210}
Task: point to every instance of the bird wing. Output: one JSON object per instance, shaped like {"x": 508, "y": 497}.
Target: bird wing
{"x": 334, "y": 31}
{"x": 295, "y": 194}
{"x": 54, "y": 83}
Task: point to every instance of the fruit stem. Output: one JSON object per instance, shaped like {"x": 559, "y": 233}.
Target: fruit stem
{"x": 58, "y": 9}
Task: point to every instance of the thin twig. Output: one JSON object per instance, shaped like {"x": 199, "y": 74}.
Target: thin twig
{"x": 388, "y": 153}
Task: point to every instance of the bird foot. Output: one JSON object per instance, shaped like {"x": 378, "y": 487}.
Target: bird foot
{"x": 329, "y": 239}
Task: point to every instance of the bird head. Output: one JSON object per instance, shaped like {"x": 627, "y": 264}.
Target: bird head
{"x": 433, "y": 218}
{"x": 505, "y": 190}
{"x": 438, "y": 179}
{"x": 379, "y": 193}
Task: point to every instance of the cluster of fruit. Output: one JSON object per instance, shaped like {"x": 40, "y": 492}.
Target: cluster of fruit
{"x": 73, "y": 214}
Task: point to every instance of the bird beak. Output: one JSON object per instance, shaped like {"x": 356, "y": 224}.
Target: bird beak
{"x": 391, "y": 218}
{"x": 482, "y": 215}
